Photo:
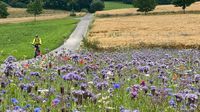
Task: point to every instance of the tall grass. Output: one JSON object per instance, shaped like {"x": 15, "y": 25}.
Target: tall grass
{"x": 16, "y": 39}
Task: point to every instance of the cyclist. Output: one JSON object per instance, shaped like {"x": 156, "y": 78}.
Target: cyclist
{"x": 37, "y": 42}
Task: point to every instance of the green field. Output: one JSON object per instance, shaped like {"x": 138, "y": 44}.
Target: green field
{"x": 109, "y": 5}
{"x": 16, "y": 39}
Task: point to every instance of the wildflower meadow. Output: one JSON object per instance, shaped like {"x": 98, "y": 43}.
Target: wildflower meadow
{"x": 128, "y": 81}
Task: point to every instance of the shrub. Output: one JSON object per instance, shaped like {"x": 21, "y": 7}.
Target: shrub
{"x": 96, "y": 5}
{"x": 127, "y": 1}
{"x": 145, "y": 5}
{"x": 183, "y": 3}
{"x": 19, "y": 4}
{"x": 84, "y": 10}
{"x": 5, "y": 4}
{"x": 72, "y": 13}
{"x": 91, "y": 44}
{"x": 164, "y": 1}
{"x": 3, "y": 10}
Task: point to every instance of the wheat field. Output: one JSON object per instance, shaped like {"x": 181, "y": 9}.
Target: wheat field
{"x": 160, "y": 8}
{"x": 180, "y": 30}
{"x": 18, "y": 15}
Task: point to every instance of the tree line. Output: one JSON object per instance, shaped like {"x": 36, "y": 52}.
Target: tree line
{"x": 77, "y": 5}
{"x": 35, "y": 6}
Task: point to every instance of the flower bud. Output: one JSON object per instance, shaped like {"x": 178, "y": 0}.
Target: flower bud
{"x": 62, "y": 90}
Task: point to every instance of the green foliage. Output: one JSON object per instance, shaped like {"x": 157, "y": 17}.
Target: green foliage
{"x": 145, "y": 5}
{"x": 94, "y": 45}
{"x": 72, "y": 3}
{"x": 3, "y": 10}
{"x": 35, "y": 7}
{"x": 4, "y": 3}
{"x": 17, "y": 3}
{"x": 16, "y": 39}
{"x": 183, "y": 3}
{"x": 128, "y": 1}
{"x": 84, "y": 10}
{"x": 77, "y": 5}
{"x": 72, "y": 13}
{"x": 84, "y": 4}
{"x": 56, "y": 4}
{"x": 163, "y": 1}
{"x": 96, "y": 5}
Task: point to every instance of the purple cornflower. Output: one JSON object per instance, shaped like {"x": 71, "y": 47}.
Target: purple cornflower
{"x": 116, "y": 86}
{"x": 14, "y": 100}
{"x": 142, "y": 83}
{"x": 16, "y": 108}
{"x": 119, "y": 66}
{"x": 83, "y": 86}
{"x": 172, "y": 103}
{"x": 153, "y": 90}
{"x": 75, "y": 57}
{"x": 34, "y": 73}
{"x": 37, "y": 109}
{"x": 179, "y": 97}
{"x": 72, "y": 76}
{"x": 192, "y": 98}
{"x": 197, "y": 78}
{"x": 10, "y": 59}
{"x": 27, "y": 106}
{"x": 145, "y": 89}
{"x": 144, "y": 69}
{"x": 55, "y": 102}
{"x": 134, "y": 94}
{"x": 136, "y": 111}
{"x": 20, "y": 78}
{"x": 102, "y": 85}
{"x": 3, "y": 92}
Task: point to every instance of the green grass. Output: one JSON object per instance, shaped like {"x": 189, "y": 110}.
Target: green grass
{"x": 109, "y": 5}
{"x": 16, "y": 39}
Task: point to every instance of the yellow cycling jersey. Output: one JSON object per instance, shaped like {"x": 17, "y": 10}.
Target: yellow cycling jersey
{"x": 37, "y": 41}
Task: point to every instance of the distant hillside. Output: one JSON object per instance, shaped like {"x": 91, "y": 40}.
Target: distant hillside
{"x": 21, "y": 12}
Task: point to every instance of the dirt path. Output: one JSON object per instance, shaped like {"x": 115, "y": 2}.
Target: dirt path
{"x": 73, "y": 43}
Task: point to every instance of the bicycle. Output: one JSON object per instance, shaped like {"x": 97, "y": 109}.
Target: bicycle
{"x": 37, "y": 51}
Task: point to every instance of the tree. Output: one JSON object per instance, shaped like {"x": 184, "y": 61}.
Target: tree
{"x": 145, "y": 5}
{"x": 72, "y": 3}
{"x": 3, "y": 10}
{"x": 163, "y": 1}
{"x": 84, "y": 4}
{"x": 183, "y": 3}
{"x": 96, "y": 5}
{"x": 17, "y": 3}
{"x": 56, "y": 4}
{"x": 35, "y": 8}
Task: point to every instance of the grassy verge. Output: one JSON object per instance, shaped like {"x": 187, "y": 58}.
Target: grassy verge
{"x": 16, "y": 38}
{"x": 149, "y": 14}
{"x": 109, "y": 5}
